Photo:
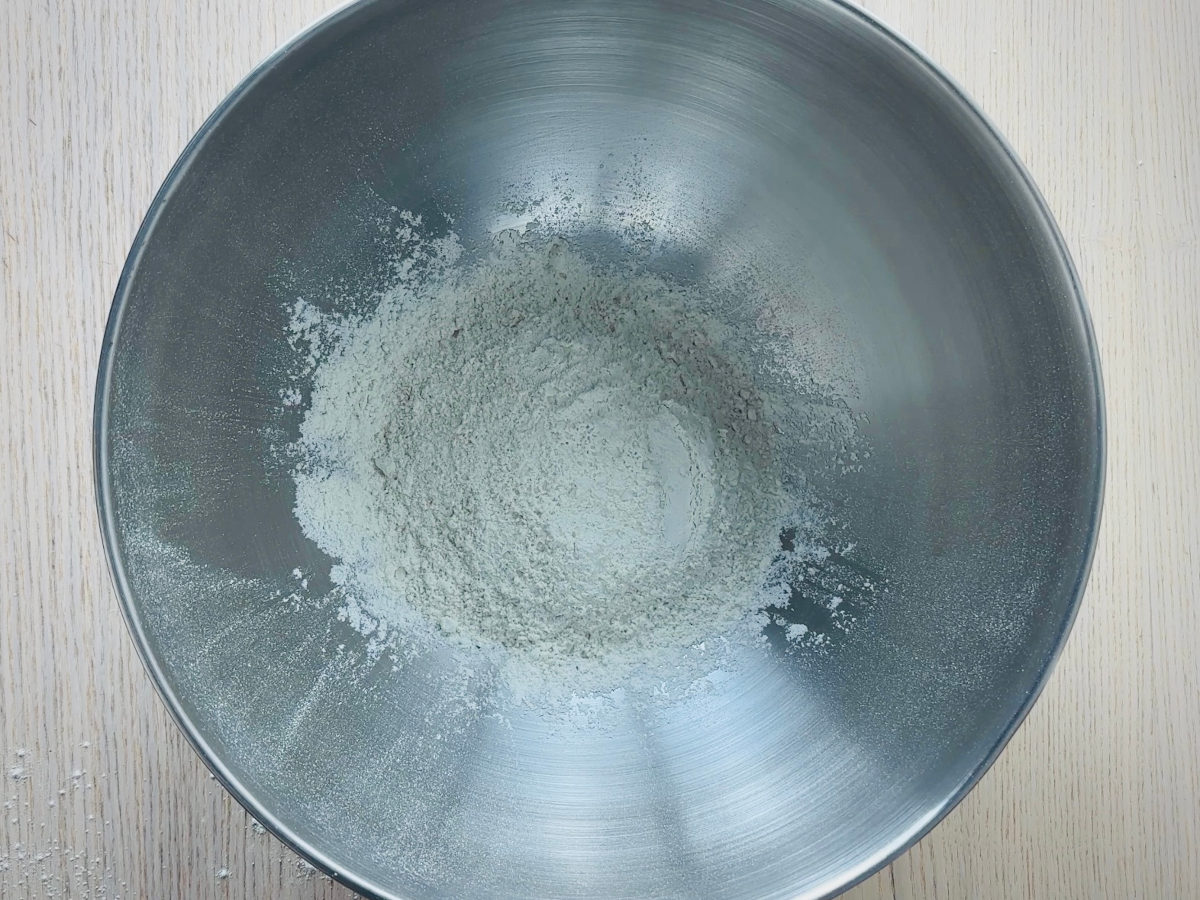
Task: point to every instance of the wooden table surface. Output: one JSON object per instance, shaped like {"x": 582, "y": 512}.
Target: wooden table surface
{"x": 1099, "y": 793}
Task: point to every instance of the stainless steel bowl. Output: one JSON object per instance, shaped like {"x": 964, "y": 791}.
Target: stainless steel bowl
{"x": 798, "y": 137}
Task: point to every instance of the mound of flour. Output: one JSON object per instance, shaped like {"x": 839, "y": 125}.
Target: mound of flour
{"x": 533, "y": 456}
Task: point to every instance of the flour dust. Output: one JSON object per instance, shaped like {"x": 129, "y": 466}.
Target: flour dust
{"x": 574, "y": 477}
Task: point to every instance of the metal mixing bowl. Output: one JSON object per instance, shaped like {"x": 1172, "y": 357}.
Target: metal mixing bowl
{"x": 847, "y": 173}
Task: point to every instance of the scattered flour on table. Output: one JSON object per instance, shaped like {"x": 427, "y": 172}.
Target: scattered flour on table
{"x": 565, "y": 468}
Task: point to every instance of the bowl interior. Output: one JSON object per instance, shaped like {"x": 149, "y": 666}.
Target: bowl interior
{"x": 796, "y": 147}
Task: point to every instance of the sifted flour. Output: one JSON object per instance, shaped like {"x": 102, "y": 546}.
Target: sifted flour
{"x": 542, "y": 460}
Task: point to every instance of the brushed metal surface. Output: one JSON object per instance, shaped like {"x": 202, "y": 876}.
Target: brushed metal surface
{"x": 799, "y": 141}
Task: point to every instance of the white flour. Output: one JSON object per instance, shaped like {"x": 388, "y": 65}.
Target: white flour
{"x": 544, "y": 461}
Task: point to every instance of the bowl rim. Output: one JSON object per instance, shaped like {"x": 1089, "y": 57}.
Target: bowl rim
{"x": 870, "y": 864}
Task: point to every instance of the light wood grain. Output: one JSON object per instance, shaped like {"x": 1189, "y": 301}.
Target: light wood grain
{"x": 1099, "y": 793}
